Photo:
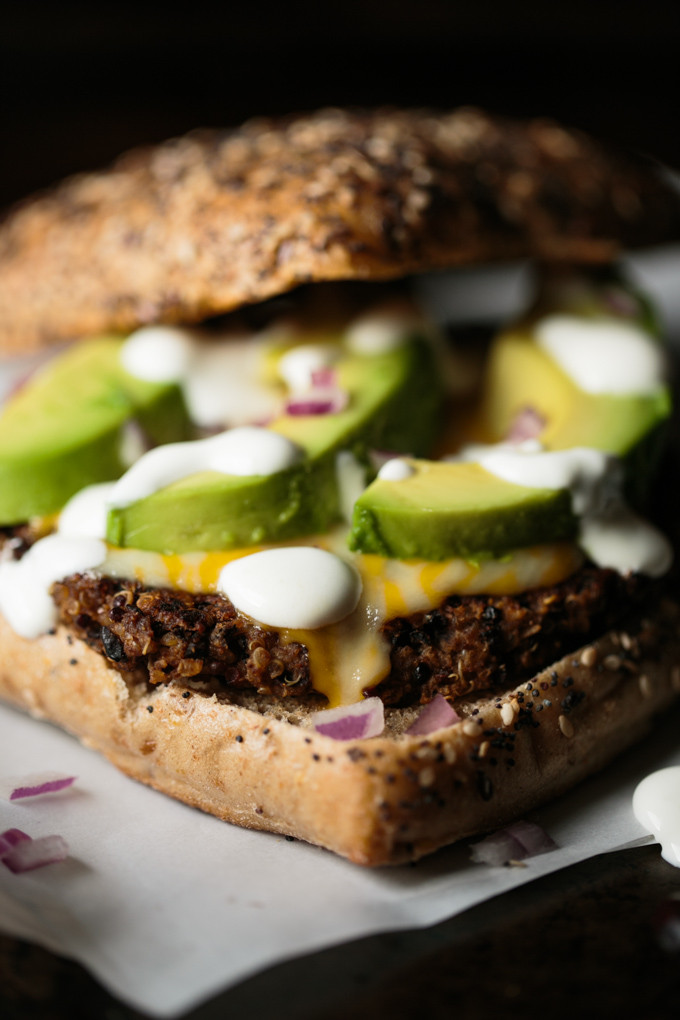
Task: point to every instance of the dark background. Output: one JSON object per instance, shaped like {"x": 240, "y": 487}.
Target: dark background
{"x": 80, "y": 81}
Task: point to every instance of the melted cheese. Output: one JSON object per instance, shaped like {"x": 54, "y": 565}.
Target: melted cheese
{"x": 350, "y": 656}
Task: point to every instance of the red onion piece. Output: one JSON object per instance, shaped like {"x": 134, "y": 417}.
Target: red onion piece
{"x": 497, "y": 849}
{"x": 36, "y": 785}
{"x": 532, "y": 837}
{"x": 11, "y": 838}
{"x": 435, "y": 716}
{"x": 515, "y": 843}
{"x": 318, "y": 401}
{"x": 325, "y": 378}
{"x": 527, "y": 424}
{"x": 351, "y": 722}
{"x": 36, "y": 853}
{"x": 308, "y": 405}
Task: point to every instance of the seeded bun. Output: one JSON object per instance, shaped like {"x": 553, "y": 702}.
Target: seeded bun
{"x": 206, "y": 223}
{"x": 376, "y": 801}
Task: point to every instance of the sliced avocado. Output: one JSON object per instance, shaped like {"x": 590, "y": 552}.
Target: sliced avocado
{"x": 456, "y": 509}
{"x": 521, "y": 375}
{"x": 66, "y": 427}
{"x": 394, "y": 403}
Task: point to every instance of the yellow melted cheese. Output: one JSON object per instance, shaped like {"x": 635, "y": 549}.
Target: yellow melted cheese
{"x": 348, "y": 657}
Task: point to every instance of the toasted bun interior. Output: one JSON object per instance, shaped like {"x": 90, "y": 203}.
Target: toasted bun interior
{"x": 378, "y": 801}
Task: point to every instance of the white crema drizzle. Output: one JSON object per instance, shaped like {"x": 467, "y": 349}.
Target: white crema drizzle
{"x": 295, "y": 586}
{"x": 25, "y": 584}
{"x": 243, "y": 451}
{"x": 396, "y": 470}
{"x": 381, "y": 329}
{"x": 77, "y": 545}
{"x": 220, "y": 376}
{"x": 609, "y": 531}
{"x": 656, "y": 805}
{"x": 603, "y": 355}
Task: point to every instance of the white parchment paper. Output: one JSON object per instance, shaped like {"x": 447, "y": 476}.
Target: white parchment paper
{"x": 166, "y": 906}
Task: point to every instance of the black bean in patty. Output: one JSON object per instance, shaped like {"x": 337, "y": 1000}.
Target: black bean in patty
{"x": 470, "y": 643}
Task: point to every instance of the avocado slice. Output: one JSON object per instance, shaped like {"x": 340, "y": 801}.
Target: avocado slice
{"x": 459, "y": 509}
{"x": 521, "y": 375}
{"x": 66, "y": 427}
{"x": 394, "y": 403}
{"x": 444, "y": 510}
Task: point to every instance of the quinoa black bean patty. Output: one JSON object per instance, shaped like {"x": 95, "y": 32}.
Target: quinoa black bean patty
{"x": 470, "y": 643}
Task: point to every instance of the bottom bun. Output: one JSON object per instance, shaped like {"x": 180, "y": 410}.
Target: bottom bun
{"x": 383, "y": 800}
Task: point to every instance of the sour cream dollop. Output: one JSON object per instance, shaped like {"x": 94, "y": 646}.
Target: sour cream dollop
{"x": 247, "y": 450}
{"x": 220, "y": 376}
{"x": 295, "y": 587}
{"x": 25, "y": 584}
{"x": 585, "y": 472}
{"x": 298, "y": 366}
{"x": 379, "y": 330}
{"x": 656, "y": 805}
{"x": 84, "y": 516}
{"x": 609, "y": 532}
{"x": 158, "y": 353}
{"x": 621, "y": 540}
{"x": 396, "y": 470}
{"x": 603, "y": 356}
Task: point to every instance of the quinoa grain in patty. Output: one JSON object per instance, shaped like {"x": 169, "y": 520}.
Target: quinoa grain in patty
{"x": 470, "y": 643}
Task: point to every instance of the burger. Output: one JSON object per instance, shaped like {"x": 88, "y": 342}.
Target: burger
{"x": 280, "y": 546}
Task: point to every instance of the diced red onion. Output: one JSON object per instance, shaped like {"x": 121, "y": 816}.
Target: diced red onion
{"x": 527, "y": 424}
{"x": 29, "y": 854}
{"x": 435, "y": 716}
{"x": 35, "y": 785}
{"x": 514, "y": 843}
{"x": 499, "y": 848}
{"x": 11, "y": 838}
{"x": 351, "y": 722}
{"x": 318, "y": 401}
{"x": 308, "y": 405}
{"x": 532, "y": 837}
{"x": 325, "y": 377}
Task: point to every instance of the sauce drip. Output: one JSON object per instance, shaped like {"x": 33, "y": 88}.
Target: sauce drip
{"x": 656, "y": 805}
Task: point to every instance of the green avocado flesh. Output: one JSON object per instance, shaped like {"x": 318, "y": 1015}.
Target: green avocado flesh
{"x": 458, "y": 509}
{"x": 521, "y": 375}
{"x": 394, "y": 403}
{"x": 446, "y": 510}
{"x": 65, "y": 428}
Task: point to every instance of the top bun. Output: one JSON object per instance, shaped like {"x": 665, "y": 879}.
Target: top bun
{"x": 205, "y": 223}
